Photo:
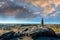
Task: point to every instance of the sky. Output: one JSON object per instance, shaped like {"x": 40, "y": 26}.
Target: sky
{"x": 30, "y": 11}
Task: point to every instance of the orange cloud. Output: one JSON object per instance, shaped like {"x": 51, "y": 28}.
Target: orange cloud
{"x": 49, "y": 9}
{"x": 41, "y": 3}
{"x": 57, "y": 2}
{"x": 46, "y": 4}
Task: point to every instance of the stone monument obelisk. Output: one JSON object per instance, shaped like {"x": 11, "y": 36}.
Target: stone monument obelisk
{"x": 42, "y": 23}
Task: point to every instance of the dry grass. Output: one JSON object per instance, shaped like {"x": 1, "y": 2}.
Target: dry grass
{"x": 13, "y": 29}
{"x": 16, "y": 29}
{"x": 3, "y": 31}
{"x": 27, "y": 38}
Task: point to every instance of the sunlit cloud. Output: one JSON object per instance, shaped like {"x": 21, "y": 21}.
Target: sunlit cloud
{"x": 48, "y": 10}
{"x": 46, "y": 4}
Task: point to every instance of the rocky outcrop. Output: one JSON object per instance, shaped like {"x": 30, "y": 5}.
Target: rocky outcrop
{"x": 7, "y": 36}
{"x": 44, "y": 33}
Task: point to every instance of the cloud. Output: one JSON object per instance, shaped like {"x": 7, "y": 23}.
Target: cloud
{"x": 18, "y": 12}
{"x": 11, "y": 11}
{"x": 57, "y": 2}
{"x": 49, "y": 9}
{"x": 28, "y": 9}
{"x": 46, "y": 4}
{"x": 53, "y": 15}
{"x": 37, "y": 13}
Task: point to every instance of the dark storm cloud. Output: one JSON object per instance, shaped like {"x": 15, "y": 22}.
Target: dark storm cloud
{"x": 17, "y": 11}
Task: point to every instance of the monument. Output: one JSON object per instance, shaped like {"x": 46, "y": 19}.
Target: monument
{"x": 42, "y": 23}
